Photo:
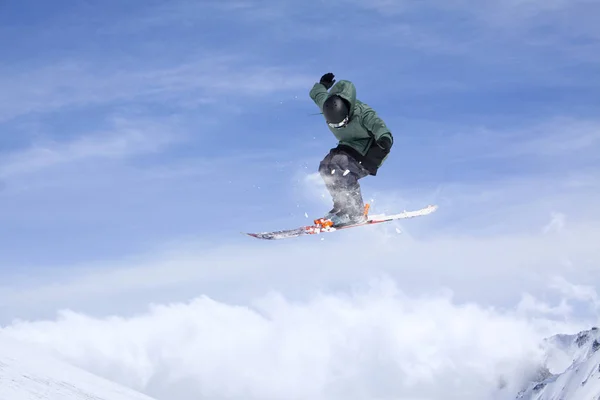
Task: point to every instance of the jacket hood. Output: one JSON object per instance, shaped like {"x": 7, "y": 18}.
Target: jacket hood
{"x": 347, "y": 91}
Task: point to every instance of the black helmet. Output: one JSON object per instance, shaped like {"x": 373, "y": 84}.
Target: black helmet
{"x": 336, "y": 111}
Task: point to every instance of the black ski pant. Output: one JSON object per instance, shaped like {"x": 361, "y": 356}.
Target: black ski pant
{"x": 341, "y": 172}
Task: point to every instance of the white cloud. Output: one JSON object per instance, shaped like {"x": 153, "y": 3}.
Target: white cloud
{"x": 557, "y": 137}
{"x": 183, "y": 12}
{"x": 534, "y": 41}
{"x": 504, "y": 15}
{"x": 583, "y": 293}
{"x": 530, "y": 305}
{"x": 80, "y": 83}
{"x": 572, "y": 139}
{"x": 375, "y": 342}
{"x": 126, "y": 138}
{"x": 556, "y": 224}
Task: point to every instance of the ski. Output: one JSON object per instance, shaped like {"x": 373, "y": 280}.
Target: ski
{"x": 325, "y": 226}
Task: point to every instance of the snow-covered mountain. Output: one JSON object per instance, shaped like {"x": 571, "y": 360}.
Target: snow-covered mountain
{"x": 572, "y": 370}
{"x": 26, "y": 373}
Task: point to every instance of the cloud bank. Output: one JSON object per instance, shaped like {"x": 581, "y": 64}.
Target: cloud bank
{"x": 373, "y": 342}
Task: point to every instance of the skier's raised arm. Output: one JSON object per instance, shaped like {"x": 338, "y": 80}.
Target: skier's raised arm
{"x": 319, "y": 91}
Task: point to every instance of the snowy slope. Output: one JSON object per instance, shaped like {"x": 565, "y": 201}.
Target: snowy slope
{"x": 573, "y": 369}
{"x": 28, "y": 374}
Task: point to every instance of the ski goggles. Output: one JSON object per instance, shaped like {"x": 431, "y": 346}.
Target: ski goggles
{"x": 341, "y": 124}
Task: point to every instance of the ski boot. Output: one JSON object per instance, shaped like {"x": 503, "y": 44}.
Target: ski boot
{"x": 344, "y": 219}
{"x": 341, "y": 218}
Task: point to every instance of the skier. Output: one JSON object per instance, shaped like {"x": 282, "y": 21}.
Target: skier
{"x": 364, "y": 142}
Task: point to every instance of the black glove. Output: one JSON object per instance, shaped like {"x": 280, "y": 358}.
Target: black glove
{"x": 327, "y": 80}
{"x": 385, "y": 143}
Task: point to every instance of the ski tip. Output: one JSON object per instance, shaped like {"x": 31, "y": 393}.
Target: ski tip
{"x": 263, "y": 236}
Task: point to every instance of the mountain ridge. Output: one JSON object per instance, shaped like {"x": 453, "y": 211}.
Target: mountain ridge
{"x": 571, "y": 370}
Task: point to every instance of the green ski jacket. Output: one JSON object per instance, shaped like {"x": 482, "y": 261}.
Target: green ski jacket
{"x": 363, "y": 130}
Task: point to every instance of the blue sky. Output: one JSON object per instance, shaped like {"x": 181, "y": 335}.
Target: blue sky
{"x": 138, "y": 140}
{"x": 125, "y": 126}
